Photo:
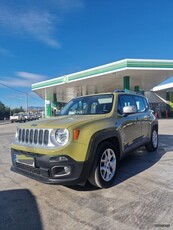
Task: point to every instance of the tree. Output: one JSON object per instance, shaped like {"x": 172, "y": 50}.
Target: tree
{"x": 17, "y": 110}
{"x": 4, "y": 111}
{"x": 2, "y": 106}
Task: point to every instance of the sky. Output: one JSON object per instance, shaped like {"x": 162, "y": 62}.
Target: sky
{"x": 44, "y": 39}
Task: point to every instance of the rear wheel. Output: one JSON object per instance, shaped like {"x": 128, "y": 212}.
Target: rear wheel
{"x": 154, "y": 140}
{"x": 104, "y": 169}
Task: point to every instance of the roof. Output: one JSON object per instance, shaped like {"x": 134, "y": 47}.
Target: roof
{"x": 167, "y": 84}
{"x": 145, "y": 73}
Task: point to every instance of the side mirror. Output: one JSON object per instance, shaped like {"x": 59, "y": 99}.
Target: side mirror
{"x": 129, "y": 109}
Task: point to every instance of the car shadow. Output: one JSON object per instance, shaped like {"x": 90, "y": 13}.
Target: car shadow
{"x": 18, "y": 210}
{"x": 136, "y": 162}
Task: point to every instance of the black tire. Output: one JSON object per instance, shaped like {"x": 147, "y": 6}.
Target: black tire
{"x": 97, "y": 177}
{"x": 154, "y": 140}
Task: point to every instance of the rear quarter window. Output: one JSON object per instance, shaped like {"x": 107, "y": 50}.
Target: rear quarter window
{"x": 141, "y": 104}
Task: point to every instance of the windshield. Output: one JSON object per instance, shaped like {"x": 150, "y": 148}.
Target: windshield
{"x": 89, "y": 105}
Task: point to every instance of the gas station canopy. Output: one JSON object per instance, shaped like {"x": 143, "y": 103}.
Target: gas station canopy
{"x": 165, "y": 85}
{"x": 133, "y": 74}
{"x": 140, "y": 75}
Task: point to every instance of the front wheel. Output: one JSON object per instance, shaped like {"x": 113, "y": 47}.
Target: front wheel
{"x": 104, "y": 168}
{"x": 154, "y": 140}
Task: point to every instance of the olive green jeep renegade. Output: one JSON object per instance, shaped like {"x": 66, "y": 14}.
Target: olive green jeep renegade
{"x": 86, "y": 141}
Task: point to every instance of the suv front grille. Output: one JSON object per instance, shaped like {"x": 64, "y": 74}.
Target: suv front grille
{"x": 34, "y": 136}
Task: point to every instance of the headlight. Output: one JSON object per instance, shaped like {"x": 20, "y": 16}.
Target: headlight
{"x": 17, "y": 133}
{"x": 61, "y": 136}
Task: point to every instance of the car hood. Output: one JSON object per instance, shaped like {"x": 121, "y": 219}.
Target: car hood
{"x": 62, "y": 121}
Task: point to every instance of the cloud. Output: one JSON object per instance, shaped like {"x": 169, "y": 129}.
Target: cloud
{"x": 22, "y": 79}
{"x": 6, "y": 53}
{"x": 35, "y": 24}
{"x": 32, "y": 76}
{"x": 36, "y": 19}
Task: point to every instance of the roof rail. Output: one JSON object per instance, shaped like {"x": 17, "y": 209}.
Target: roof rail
{"x": 126, "y": 91}
{"x": 118, "y": 90}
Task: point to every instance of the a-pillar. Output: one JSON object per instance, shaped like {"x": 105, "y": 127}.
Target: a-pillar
{"x": 126, "y": 82}
{"x": 48, "y": 110}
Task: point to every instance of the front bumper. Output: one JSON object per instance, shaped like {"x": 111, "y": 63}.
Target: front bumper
{"x": 49, "y": 169}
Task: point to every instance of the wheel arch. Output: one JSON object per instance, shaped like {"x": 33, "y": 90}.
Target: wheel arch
{"x": 107, "y": 135}
{"x": 150, "y": 146}
{"x": 155, "y": 125}
{"x": 114, "y": 141}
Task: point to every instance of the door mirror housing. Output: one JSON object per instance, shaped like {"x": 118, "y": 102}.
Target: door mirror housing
{"x": 129, "y": 109}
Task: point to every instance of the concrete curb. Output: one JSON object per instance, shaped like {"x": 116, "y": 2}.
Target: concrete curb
{"x": 5, "y": 122}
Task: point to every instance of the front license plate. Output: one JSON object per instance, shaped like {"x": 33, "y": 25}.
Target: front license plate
{"x": 22, "y": 159}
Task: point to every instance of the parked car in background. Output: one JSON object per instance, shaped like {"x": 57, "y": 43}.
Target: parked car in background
{"x": 23, "y": 117}
{"x": 14, "y": 118}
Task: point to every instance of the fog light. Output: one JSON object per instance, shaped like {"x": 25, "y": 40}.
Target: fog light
{"x": 59, "y": 171}
{"x": 67, "y": 169}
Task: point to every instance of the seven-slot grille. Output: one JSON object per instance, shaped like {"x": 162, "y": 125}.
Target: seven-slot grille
{"x": 33, "y": 136}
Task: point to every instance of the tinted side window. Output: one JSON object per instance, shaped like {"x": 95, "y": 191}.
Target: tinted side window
{"x": 123, "y": 101}
{"x": 146, "y": 103}
{"x": 141, "y": 106}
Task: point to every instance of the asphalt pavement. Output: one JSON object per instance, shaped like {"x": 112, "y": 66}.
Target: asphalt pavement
{"x": 141, "y": 198}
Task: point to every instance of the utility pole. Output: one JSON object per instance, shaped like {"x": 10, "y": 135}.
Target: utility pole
{"x": 10, "y": 104}
{"x": 26, "y": 102}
